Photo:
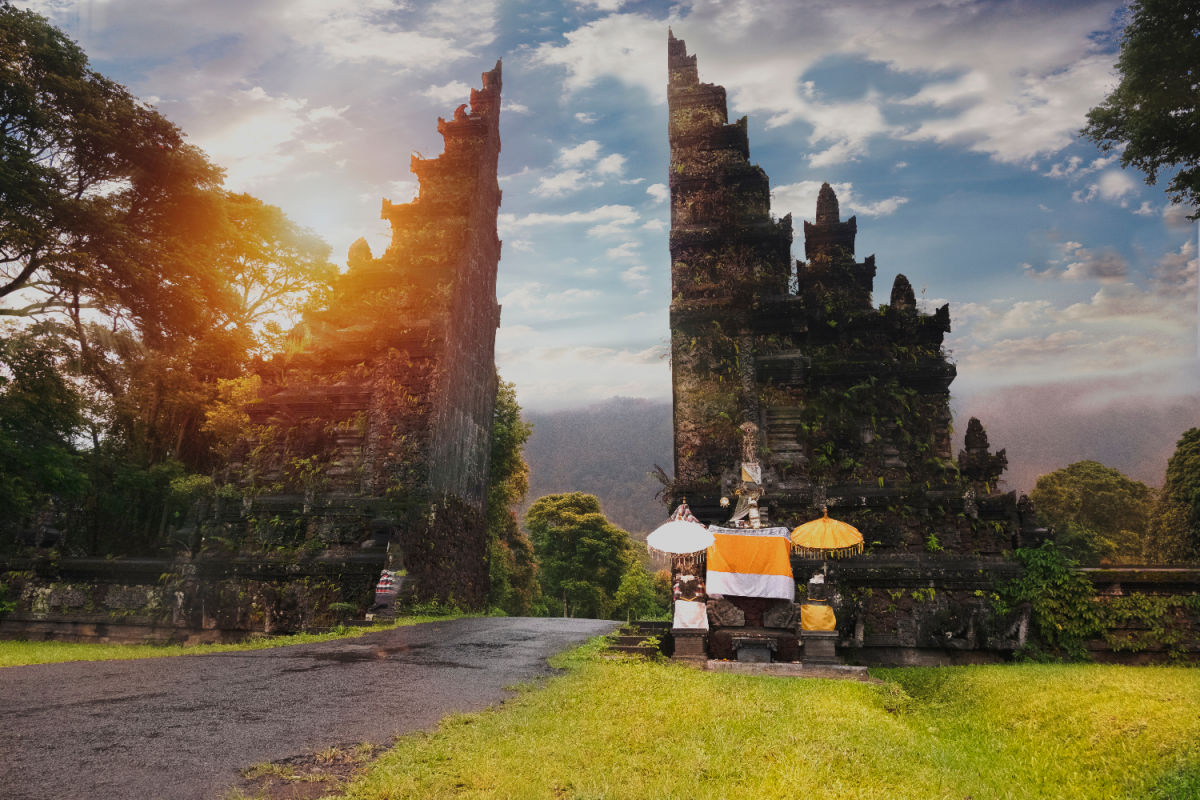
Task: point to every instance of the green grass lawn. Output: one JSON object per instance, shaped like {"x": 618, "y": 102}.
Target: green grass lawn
{"x": 629, "y": 729}
{"x": 20, "y": 653}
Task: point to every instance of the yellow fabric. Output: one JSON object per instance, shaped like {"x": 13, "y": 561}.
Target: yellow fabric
{"x": 757, "y": 555}
{"x": 826, "y": 534}
{"x": 817, "y": 618}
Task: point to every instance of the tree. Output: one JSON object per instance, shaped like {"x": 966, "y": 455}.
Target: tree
{"x": 1177, "y": 515}
{"x": 1154, "y": 112}
{"x": 273, "y": 264}
{"x": 642, "y": 595}
{"x": 582, "y": 557}
{"x": 91, "y": 179}
{"x": 511, "y": 563}
{"x": 39, "y": 418}
{"x": 116, "y": 235}
{"x": 1095, "y": 511}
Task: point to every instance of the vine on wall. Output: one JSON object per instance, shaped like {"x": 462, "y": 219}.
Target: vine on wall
{"x": 1067, "y": 612}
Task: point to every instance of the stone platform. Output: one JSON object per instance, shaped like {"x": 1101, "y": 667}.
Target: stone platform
{"x": 792, "y": 669}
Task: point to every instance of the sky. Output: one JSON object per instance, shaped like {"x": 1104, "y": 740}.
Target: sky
{"x": 949, "y": 128}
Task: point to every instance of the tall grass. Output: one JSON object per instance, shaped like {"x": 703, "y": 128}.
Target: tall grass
{"x": 22, "y": 653}
{"x": 626, "y": 729}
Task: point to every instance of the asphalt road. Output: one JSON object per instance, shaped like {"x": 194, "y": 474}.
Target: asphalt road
{"x": 181, "y": 728}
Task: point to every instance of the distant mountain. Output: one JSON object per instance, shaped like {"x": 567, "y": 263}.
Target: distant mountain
{"x": 606, "y": 449}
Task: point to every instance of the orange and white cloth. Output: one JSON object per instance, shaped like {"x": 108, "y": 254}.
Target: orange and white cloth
{"x": 749, "y": 562}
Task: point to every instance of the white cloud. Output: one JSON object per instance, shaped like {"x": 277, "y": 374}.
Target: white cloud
{"x": 455, "y": 92}
{"x": 1176, "y": 217}
{"x": 601, "y": 5}
{"x": 586, "y": 117}
{"x": 1073, "y": 166}
{"x": 535, "y": 301}
{"x": 619, "y": 215}
{"x": 1123, "y": 328}
{"x": 1113, "y": 186}
{"x": 579, "y": 154}
{"x": 612, "y": 164}
{"x": 637, "y": 278}
{"x": 256, "y": 135}
{"x": 624, "y": 251}
{"x": 628, "y": 47}
{"x": 1105, "y": 264}
{"x": 562, "y": 183}
{"x": 557, "y": 377}
{"x": 1010, "y": 80}
{"x": 659, "y": 192}
{"x": 513, "y": 107}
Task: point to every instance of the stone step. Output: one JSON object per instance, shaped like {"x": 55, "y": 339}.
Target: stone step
{"x": 637, "y": 650}
{"x": 631, "y": 639}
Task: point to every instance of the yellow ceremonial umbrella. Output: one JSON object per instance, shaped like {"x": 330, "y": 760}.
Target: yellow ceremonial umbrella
{"x": 827, "y": 538}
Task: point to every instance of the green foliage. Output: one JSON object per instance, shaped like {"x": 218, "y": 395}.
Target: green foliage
{"x": 1095, "y": 511}
{"x": 1152, "y": 116}
{"x": 642, "y": 595}
{"x": 1178, "y": 532}
{"x": 582, "y": 557}
{"x": 1067, "y": 612}
{"x": 273, "y": 266}
{"x": 39, "y": 418}
{"x": 1062, "y": 600}
{"x": 7, "y": 603}
{"x": 512, "y": 570}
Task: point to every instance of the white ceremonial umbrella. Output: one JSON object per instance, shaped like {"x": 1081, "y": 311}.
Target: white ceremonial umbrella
{"x": 680, "y": 537}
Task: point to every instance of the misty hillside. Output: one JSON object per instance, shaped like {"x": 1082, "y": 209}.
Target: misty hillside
{"x": 605, "y": 449}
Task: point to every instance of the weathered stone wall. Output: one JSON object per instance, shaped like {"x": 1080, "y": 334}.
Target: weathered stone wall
{"x": 926, "y": 610}
{"x": 89, "y": 599}
{"x": 381, "y": 410}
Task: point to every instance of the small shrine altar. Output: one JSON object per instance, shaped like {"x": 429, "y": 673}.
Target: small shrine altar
{"x": 734, "y": 593}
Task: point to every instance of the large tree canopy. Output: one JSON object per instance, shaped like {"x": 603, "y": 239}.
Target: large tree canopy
{"x": 1178, "y": 523}
{"x": 1154, "y": 112}
{"x": 1095, "y": 511}
{"x": 95, "y": 191}
{"x": 582, "y": 557}
{"x": 131, "y": 283}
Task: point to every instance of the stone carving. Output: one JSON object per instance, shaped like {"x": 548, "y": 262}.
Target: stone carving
{"x": 782, "y": 615}
{"x": 725, "y": 614}
{"x": 976, "y": 461}
{"x": 903, "y": 298}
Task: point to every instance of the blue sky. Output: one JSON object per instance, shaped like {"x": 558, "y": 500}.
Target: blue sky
{"x": 948, "y": 127}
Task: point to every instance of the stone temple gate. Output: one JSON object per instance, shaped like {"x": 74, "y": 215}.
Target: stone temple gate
{"x": 837, "y": 402}
{"x": 377, "y": 420}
